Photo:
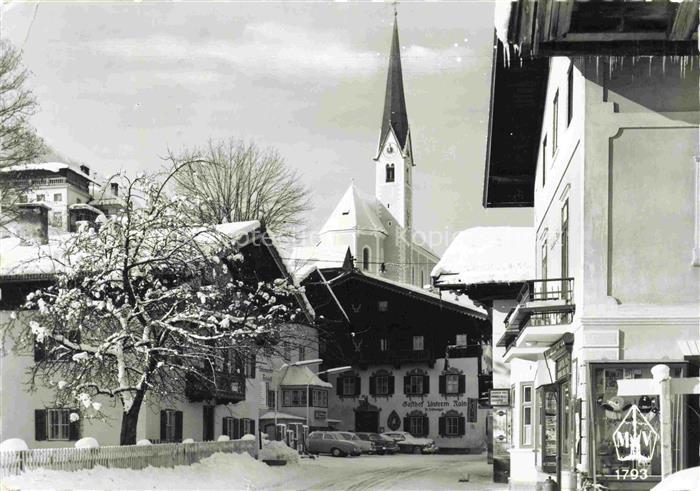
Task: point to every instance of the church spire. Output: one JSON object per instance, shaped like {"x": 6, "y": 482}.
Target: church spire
{"x": 394, "y": 103}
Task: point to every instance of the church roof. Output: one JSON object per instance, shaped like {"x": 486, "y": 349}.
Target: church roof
{"x": 395, "y": 116}
{"x": 354, "y": 211}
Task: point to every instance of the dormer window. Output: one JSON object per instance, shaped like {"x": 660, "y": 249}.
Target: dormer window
{"x": 390, "y": 172}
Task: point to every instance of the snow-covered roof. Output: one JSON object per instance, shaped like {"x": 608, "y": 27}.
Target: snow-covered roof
{"x": 18, "y": 257}
{"x": 354, "y": 211}
{"x": 271, "y": 415}
{"x": 301, "y": 375}
{"x": 501, "y": 19}
{"x": 54, "y": 167}
{"x": 238, "y": 230}
{"x": 85, "y": 206}
{"x": 488, "y": 255}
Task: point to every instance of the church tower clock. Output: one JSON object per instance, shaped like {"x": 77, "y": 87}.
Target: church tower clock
{"x": 394, "y": 159}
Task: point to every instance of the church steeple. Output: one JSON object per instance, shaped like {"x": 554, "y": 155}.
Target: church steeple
{"x": 394, "y": 116}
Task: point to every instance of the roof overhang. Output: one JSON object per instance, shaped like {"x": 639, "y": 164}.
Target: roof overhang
{"x": 615, "y": 28}
{"x": 518, "y": 92}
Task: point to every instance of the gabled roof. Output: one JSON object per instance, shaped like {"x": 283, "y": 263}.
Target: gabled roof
{"x": 354, "y": 211}
{"x": 395, "y": 116}
{"x": 419, "y": 294}
{"x": 482, "y": 255}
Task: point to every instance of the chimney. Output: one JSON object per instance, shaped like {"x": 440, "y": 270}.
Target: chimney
{"x": 30, "y": 223}
{"x": 85, "y": 169}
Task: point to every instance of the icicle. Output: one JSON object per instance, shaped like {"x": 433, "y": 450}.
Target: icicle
{"x": 597, "y": 75}
{"x": 651, "y": 58}
{"x": 663, "y": 65}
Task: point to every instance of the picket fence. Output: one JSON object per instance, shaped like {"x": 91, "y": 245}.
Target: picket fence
{"x": 15, "y": 462}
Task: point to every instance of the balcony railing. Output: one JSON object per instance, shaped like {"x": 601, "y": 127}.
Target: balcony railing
{"x": 540, "y": 303}
{"x": 229, "y": 388}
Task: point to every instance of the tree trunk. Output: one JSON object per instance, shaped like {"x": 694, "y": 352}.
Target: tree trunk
{"x": 130, "y": 420}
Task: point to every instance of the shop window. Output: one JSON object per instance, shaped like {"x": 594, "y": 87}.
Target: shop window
{"x": 418, "y": 343}
{"x": 526, "y": 415}
{"x": 170, "y": 426}
{"x": 626, "y": 429}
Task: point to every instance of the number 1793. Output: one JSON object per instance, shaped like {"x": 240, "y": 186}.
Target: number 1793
{"x": 632, "y": 474}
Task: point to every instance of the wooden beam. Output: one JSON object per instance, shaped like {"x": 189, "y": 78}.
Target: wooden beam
{"x": 564, "y": 9}
{"x": 685, "y": 21}
{"x": 587, "y": 37}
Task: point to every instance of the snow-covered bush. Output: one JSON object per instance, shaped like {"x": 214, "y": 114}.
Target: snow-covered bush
{"x": 248, "y": 437}
{"x": 13, "y": 444}
{"x": 188, "y": 440}
{"x": 87, "y": 442}
{"x": 144, "y": 442}
{"x": 279, "y": 451}
{"x": 223, "y": 438}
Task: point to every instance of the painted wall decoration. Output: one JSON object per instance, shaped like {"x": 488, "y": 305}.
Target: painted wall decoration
{"x": 394, "y": 421}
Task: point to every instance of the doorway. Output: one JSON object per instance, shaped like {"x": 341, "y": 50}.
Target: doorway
{"x": 367, "y": 420}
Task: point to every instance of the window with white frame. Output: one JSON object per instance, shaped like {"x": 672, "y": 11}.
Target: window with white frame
{"x": 452, "y": 383}
{"x": 526, "y": 411}
{"x": 58, "y": 424}
{"x": 416, "y": 384}
{"x": 319, "y": 398}
{"x": 452, "y": 425}
{"x": 418, "y": 344}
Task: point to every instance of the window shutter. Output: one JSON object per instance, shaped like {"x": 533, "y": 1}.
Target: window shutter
{"x": 391, "y": 384}
{"x": 40, "y": 424}
{"x": 441, "y": 426}
{"x": 442, "y": 387}
{"x": 163, "y": 424}
{"x": 224, "y": 427}
{"x": 74, "y": 428}
{"x": 426, "y": 384}
{"x": 237, "y": 428}
{"x": 178, "y": 426}
{"x": 461, "y": 426}
{"x": 426, "y": 426}
{"x": 406, "y": 385}
{"x": 252, "y": 427}
{"x": 339, "y": 386}
{"x": 358, "y": 386}
{"x": 373, "y": 385}
{"x": 462, "y": 384}
{"x": 406, "y": 424}
{"x": 39, "y": 352}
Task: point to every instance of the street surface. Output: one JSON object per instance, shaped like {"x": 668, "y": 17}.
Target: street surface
{"x": 394, "y": 472}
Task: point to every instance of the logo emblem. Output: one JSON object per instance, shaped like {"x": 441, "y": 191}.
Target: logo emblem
{"x": 635, "y": 439}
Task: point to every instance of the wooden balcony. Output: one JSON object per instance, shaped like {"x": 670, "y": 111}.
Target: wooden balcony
{"x": 229, "y": 388}
{"x": 396, "y": 357}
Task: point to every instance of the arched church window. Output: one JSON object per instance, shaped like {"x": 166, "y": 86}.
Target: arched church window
{"x": 390, "y": 172}
{"x": 365, "y": 258}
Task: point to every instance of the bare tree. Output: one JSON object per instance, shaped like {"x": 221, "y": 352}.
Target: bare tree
{"x": 150, "y": 300}
{"x": 19, "y": 142}
{"x": 231, "y": 181}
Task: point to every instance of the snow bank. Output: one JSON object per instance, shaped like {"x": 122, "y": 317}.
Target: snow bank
{"x": 87, "y": 442}
{"x": 13, "y": 445}
{"x": 488, "y": 255}
{"x": 279, "y": 451}
{"x": 220, "y": 471}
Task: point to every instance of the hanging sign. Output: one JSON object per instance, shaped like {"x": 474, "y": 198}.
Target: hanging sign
{"x": 499, "y": 397}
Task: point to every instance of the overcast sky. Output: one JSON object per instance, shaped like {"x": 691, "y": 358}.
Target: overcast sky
{"x": 120, "y": 83}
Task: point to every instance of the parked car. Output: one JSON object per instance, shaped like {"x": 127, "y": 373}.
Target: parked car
{"x": 365, "y": 445}
{"x": 383, "y": 444}
{"x": 410, "y": 444}
{"x": 332, "y": 443}
{"x": 684, "y": 480}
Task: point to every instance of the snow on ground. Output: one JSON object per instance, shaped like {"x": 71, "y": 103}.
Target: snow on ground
{"x": 227, "y": 471}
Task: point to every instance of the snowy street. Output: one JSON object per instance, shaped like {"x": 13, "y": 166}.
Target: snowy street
{"x": 226, "y": 471}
